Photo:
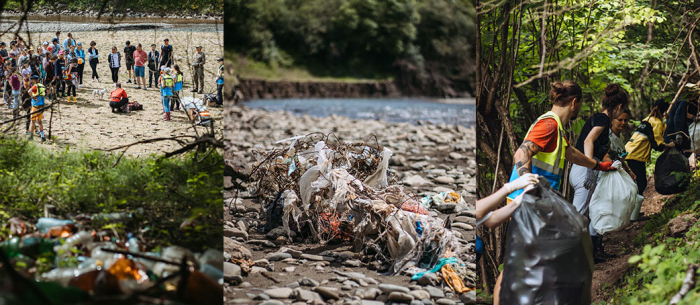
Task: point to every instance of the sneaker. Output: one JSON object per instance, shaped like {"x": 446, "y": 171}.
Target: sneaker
{"x": 98, "y": 80}
{"x": 31, "y": 136}
{"x": 193, "y": 90}
{"x": 150, "y": 86}
{"x": 80, "y": 86}
{"x": 129, "y": 82}
{"x": 43, "y": 139}
{"x": 144, "y": 88}
{"x": 139, "y": 87}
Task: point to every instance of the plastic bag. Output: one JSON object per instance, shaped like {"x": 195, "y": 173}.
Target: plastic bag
{"x": 378, "y": 179}
{"x": 549, "y": 255}
{"x": 613, "y": 201}
{"x": 694, "y": 130}
{"x": 669, "y": 165}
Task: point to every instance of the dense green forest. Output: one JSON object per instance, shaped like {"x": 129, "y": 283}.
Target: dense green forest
{"x": 648, "y": 47}
{"x": 420, "y": 44}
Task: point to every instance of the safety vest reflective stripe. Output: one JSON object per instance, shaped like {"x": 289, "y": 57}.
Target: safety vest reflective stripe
{"x": 167, "y": 81}
{"x": 41, "y": 90}
{"x": 554, "y": 161}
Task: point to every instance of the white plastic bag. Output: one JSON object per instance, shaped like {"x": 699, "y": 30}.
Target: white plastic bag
{"x": 694, "y": 130}
{"x": 613, "y": 201}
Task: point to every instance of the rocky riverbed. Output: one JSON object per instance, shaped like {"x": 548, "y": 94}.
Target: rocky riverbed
{"x": 428, "y": 159}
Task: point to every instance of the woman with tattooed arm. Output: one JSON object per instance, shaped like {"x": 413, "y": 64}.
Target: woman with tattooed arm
{"x": 545, "y": 149}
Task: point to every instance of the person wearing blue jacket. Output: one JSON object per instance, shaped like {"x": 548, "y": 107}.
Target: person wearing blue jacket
{"x": 81, "y": 63}
{"x": 68, "y": 42}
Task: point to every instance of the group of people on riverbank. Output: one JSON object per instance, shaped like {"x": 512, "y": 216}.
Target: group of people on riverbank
{"x": 56, "y": 69}
{"x": 600, "y": 146}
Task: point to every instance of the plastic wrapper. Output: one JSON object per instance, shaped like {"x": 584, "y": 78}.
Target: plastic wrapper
{"x": 669, "y": 170}
{"x": 549, "y": 257}
{"x": 613, "y": 201}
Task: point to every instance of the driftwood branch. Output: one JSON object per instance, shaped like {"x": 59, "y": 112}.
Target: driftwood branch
{"x": 688, "y": 283}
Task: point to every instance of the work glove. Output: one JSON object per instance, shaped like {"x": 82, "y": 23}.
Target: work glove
{"x": 679, "y": 140}
{"x": 519, "y": 199}
{"x": 605, "y": 166}
{"x": 521, "y": 182}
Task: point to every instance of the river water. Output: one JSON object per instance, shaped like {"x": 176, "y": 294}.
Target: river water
{"x": 412, "y": 110}
{"x": 86, "y": 23}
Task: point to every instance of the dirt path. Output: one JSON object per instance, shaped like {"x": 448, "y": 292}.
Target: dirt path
{"x": 90, "y": 124}
{"x": 608, "y": 274}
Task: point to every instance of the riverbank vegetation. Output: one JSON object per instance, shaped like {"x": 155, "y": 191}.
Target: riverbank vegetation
{"x": 176, "y": 200}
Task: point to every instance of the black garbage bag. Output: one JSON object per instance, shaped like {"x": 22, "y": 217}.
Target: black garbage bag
{"x": 669, "y": 170}
{"x": 549, "y": 254}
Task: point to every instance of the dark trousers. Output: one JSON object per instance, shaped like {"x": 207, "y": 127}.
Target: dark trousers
{"x": 60, "y": 85}
{"x": 219, "y": 94}
{"x": 152, "y": 74}
{"x": 639, "y": 169}
{"x": 117, "y": 105}
{"x": 71, "y": 87}
{"x": 175, "y": 102}
{"x": 93, "y": 65}
{"x": 115, "y": 74}
{"x": 81, "y": 68}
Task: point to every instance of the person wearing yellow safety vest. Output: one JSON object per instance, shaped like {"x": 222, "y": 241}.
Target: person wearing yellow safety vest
{"x": 545, "y": 149}
{"x": 220, "y": 83}
{"x": 166, "y": 81}
{"x": 177, "y": 78}
{"x": 37, "y": 92}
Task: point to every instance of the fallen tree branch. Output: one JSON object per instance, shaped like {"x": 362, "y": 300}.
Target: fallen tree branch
{"x": 688, "y": 283}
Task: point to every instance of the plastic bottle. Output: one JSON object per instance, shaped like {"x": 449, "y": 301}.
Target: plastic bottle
{"x": 133, "y": 243}
{"x": 82, "y": 237}
{"x": 213, "y": 273}
{"x": 212, "y": 257}
{"x": 32, "y": 246}
{"x": 45, "y": 223}
{"x": 60, "y": 275}
{"x": 117, "y": 216}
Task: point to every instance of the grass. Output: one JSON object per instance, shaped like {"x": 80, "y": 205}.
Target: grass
{"x": 169, "y": 191}
{"x": 660, "y": 266}
{"x": 298, "y": 70}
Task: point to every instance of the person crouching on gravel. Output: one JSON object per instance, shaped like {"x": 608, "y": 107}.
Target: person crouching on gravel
{"x": 166, "y": 81}
{"x": 118, "y": 99}
{"x": 37, "y": 92}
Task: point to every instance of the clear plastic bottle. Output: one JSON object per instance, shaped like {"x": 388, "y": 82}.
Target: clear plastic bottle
{"x": 45, "y": 223}
{"x": 82, "y": 237}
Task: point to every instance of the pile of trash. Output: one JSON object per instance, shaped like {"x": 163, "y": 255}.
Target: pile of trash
{"x": 323, "y": 190}
{"x": 68, "y": 261}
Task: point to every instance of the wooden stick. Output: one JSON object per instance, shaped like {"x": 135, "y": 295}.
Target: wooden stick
{"x": 688, "y": 283}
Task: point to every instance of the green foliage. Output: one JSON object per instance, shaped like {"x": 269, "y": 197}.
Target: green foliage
{"x": 660, "y": 267}
{"x": 340, "y": 38}
{"x": 170, "y": 191}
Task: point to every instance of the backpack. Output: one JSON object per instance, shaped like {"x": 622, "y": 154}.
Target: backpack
{"x": 135, "y": 106}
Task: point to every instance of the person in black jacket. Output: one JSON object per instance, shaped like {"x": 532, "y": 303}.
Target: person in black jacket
{"x": 682, "y": 114}
{"x": 114, "y": 60}
{"x": 153, "y": 66}
{"x": 58, "y": 75}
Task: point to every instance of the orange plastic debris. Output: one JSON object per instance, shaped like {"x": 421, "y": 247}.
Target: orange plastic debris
{"x": 124, "y": 268}
{"x": 453, "y": 280}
